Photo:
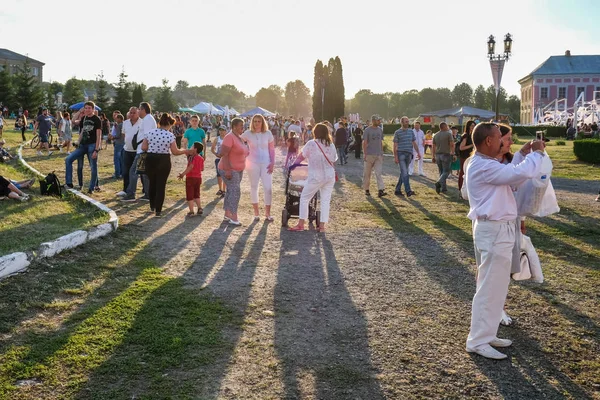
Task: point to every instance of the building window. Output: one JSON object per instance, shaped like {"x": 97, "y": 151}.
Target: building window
{"x": 580, "y": 89}
{"x": 597, "y": 97}
{"x": 544, "y": 93}
{"x": 34, "y": 71}
{"x": 562, "y": 92}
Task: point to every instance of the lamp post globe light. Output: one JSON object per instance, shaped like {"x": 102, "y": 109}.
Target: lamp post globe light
{"x": 497, "y": 64}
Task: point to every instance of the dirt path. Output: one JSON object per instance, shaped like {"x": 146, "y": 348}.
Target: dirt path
{"x": 375, "y": 308}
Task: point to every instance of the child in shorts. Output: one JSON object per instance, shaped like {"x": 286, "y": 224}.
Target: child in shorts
{"x": 193, "y": 178}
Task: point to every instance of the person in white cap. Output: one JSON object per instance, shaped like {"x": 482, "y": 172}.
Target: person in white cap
{"x": 493, "y": 210}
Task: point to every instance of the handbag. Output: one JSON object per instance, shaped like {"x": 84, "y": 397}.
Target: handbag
{"x": 330, "y": 163}
{"x": 140, "y": 167}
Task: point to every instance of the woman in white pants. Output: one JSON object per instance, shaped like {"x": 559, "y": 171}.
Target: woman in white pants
{"x": 321, "y": 155}
{"x": 260, "y": 162}
{"x": 420, "y": 135}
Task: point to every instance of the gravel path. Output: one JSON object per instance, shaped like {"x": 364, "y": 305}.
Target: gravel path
{"x": 373, "y": 309}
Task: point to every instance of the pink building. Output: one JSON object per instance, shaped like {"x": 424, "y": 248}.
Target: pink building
{"x": 559, "y": 77}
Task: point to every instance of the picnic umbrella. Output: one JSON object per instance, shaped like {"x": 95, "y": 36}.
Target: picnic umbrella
{"x": 79, "y": 106}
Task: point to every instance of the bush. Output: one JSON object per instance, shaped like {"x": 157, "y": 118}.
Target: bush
{"x": 525, "y": 131}
{"x": 560, "y": 143}
{"x": 587, "y": 150}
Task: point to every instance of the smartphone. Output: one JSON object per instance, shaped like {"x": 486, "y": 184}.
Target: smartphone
{"x": 539, "y": 135}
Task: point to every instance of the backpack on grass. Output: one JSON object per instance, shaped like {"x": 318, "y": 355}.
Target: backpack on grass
{"x": 50, "y": 185}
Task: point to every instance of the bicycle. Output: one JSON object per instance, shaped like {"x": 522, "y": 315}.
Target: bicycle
{"x": 36, "y": 140}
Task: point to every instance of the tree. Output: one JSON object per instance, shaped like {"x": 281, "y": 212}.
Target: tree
{"x": 267, "y": 98}
{"x": 122, "y": 101}
{"x": 462, "y": 95}
{"x": 27, "y": 91}
{"x": 164, "y": 101}
{"x": 50, "y": 100}
{"x": 102, "y": 92}
{"x": 513, "y": 108}
{"x": 297, "y": 98}
{"x": 73, "y": 92}
{"x": 490, "y": 95}
{"x": 6, "y": 88}
{"x": 137, "y": 96}
{"x": 479, "y": 97}
{"x": 180, "y": 92}
{"x": 336, "y": 80}
{"x": 319, "y": 82}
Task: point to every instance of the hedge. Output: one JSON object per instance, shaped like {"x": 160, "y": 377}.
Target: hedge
{"x": 550, "y": 131}
{"x": 587, "y": 150}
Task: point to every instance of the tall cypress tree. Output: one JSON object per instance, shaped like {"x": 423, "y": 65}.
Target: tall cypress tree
{"x": 338, "y": 81}
{"x": 318, "y": 82}
{"x": 164, "y": 101}
{"x": 28, "y": 93}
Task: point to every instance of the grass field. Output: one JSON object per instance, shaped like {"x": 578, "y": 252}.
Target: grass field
{"x": 26, "y": 225}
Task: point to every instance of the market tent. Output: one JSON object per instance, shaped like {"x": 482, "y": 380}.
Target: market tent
{"x": 188, "y": 110}
{"x": 258, "y": 110}
{"x": 206, "y": 108}
{"x": 233, "y": 111}
{"x": 79, "y": 106}
{"x": 464, "y": 111}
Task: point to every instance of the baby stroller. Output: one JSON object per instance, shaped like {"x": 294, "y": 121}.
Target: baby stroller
{"x": 297, "y": 176}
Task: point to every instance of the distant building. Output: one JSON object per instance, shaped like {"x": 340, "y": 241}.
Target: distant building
{"x": 559, "y": 77}
{"x": 11, "y": 60}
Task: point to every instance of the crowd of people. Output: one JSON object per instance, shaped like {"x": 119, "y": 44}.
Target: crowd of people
{"x": 488, "y": 175}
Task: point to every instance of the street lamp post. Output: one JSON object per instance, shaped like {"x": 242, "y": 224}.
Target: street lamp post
{"x": 497, "y": 64}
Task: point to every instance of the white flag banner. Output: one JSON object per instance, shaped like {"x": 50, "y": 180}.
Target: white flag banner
{"x": 497, "y": 69}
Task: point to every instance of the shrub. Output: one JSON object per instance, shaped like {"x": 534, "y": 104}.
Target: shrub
{"x": 560, "y": 143}
{"x": 587, "y": 150}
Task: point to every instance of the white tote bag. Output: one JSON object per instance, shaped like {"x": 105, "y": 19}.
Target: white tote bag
{"x": 530, "y": 263}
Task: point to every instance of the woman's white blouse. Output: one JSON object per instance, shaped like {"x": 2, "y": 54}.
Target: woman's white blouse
{"x": 318, "y": 167}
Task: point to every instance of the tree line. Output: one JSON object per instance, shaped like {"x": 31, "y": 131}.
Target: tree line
{"x": 414, "y": 102}
{"x": 326, "y": 102}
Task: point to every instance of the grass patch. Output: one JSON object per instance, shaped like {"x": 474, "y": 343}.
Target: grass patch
{"x": 143, "y": 340}
{"x": 44, "y": 218}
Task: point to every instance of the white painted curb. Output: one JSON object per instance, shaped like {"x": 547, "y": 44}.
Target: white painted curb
{"x": 18, "y": 262}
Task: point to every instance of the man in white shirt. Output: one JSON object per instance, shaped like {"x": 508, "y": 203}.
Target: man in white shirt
{"x": 420, "y": 136}
{"x": 131, "y": 127}
{"x": 493, "y": 210}
{"x": 295, "y": 127}
{"x": 147, "y": 124}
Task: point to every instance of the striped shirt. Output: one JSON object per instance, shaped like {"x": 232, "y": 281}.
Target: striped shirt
{"x": 405, "y": 138}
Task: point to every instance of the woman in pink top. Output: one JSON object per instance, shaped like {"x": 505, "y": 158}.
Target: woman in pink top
{"x": 231, "y": 167}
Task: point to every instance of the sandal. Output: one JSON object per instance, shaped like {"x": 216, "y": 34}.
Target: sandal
{"x": 269, "y": 218}
{"x": 256, "y": 218}
{"x": 296, "y": 229}
{"x": 190, "y": 214}
{"x": 200, "y": 211}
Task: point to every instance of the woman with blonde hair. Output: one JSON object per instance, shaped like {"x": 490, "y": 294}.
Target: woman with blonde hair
{"x": 260, "y": 162}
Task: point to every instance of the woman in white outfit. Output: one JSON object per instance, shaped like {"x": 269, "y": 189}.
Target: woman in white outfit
{"x": 321, "y": 155}
{"x": 260, "y": 162}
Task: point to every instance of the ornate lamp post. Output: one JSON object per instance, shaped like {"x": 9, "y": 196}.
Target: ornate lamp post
{"x": 497, "y": 64}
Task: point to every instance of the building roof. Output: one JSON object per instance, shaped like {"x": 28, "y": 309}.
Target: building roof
{"x": 11, "y": 55}
{"x": 567, "y": 65}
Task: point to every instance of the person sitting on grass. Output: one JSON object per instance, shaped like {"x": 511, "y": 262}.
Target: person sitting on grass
{"x": 193, "y": 178}
{"x": 4, "y": 154}
{"x": 8, "y": 189}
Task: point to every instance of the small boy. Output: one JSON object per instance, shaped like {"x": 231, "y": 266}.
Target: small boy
{"x": 193, "y": 178}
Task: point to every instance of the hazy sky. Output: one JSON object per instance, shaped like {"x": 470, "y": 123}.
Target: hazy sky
{"x": 384, "y": 45}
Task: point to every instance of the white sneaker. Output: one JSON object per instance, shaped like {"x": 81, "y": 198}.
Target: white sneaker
{"x": 488, "y": 351}
{"x": 598, "y": 198}
{"x": 50, "y": 153}
{"x": 39, "y": 153}
{"x": 501, "y": 342}
{"x": 121, "y": 193}
{"x": 236, "y": 223}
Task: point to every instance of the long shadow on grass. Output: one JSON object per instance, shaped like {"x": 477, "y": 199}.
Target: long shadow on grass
{"x": 44, "y": 347}
{"x": 320, "y": 336}
{"x": 537, "y": 370}
{"x": 576, "y": 185}
{"x": 562, "y": 250}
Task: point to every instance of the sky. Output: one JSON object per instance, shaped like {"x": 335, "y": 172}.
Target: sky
{"x": 384, "y": 45}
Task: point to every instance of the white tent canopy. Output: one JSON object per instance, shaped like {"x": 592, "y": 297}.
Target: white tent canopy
{"x": 207, "y": 108}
